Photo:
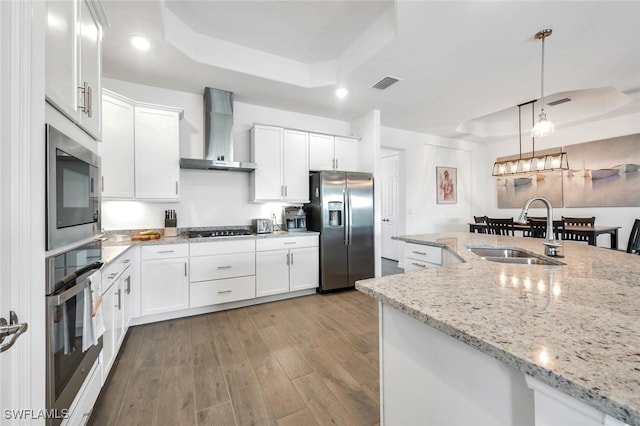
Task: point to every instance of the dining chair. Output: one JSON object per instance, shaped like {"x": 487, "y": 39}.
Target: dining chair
{"x": 578, "y": 222}
{"x": 634, "y": 238}
{"x": 480, "y": 219}
{"x": 500, "y": 226}
{"x": 538, "y": 228}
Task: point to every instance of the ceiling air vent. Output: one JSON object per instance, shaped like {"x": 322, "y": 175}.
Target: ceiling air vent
{"x": 385, "y": 83}
{"x": 559, "y": 101}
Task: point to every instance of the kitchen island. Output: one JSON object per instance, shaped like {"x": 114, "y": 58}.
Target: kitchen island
{"x": 482, "y": 342}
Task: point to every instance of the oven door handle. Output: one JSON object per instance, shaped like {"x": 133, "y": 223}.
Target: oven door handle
{"x": 74, "y": 275}
{"x": 59, "y": 299}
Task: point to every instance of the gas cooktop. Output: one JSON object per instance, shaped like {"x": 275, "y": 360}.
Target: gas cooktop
{"x": 230, "y": 232}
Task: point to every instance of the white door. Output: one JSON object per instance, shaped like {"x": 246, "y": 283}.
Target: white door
{"x": 390, "y": 205}
{"x": 90, "y": 36}
{"x": 272, "y": 272}
{"x": 346, "y": 153}
{"x": 116, "y": 148}
{"x": 266, "y": 152}
{"x": 303, "y": 270}
{"x": 21, "y": 214}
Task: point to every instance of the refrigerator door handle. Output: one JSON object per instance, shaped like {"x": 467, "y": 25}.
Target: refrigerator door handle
{"x": 346, "y": 216}
{"x": 349, "y": 218}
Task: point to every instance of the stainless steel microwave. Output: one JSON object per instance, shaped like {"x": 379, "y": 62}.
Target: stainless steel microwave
{"x": 73, "y": 193}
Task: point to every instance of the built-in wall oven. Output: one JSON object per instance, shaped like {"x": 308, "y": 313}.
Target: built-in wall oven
{"x": 72, "y": 346}
{"x": 73, "y": 192}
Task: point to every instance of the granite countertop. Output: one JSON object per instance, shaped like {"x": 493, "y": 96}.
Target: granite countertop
{"x": 118, "y": 241}
{"x": 575, "y": 327}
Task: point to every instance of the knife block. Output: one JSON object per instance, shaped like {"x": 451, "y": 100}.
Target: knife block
{"x": 170, "y": 228}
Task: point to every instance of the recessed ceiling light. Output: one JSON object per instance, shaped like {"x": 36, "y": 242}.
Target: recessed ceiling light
{"x": 140, "y": 43}
{"x": 342, "y": 92}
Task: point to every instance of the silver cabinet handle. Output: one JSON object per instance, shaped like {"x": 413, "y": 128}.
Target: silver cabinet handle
{"x": 290, "y": 242}
{"x": 286, "y": 190}
{"x": 224, "y": 267}
{"x": 14, "y": 329}
{"x": 420, "y": 252}
{"x": 177, "y": 188}
{"x": 102, "y": 183}
{"x": 165, "y": 251}
{"x": 419, "y": 264}
{"x": 185, "y": 269}
{"x": 225, "y": 291}
{"x": 288, "y": 259}
{"x": 119, "y": 305}
{"x": 337, "y": 167}
{"x": 89, "y": 100}
{"x": 128, "y": 281}
{"x": 126, "y": 261}
{"x": 84, "y": 89}
{"x": 292, "y": 258}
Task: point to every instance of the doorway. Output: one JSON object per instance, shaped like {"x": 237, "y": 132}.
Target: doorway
{"x": 390, "y": 207}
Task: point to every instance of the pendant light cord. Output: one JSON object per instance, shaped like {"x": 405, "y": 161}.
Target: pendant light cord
{"x": 542, "y": 74}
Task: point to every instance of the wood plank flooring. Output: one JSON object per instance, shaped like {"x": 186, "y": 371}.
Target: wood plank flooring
{"x": 312, "y": 360}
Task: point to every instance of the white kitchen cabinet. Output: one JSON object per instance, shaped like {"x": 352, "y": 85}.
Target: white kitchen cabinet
{"x": 73, "y": 64}
{"x": 116, "y": 149}
{"x": 117, "y": 280}
{"x": 82, "y": 406}
{"x": 222, "y": 272}
{"x": 419, "y": 256}
{"x": 286, "y": 264}
{"x": 157, "y": 153}
{"x": 164, "y": 282}
{"x": 282, "y": 172}
{"x": 328, "y": 152}
{"x": 140, "y": 150}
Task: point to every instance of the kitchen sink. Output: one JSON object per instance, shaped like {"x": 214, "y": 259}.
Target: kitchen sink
{"x": 512, "y": 255}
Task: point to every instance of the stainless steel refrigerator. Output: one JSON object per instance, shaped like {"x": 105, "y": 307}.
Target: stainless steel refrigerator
{"x": 341, "y": 209}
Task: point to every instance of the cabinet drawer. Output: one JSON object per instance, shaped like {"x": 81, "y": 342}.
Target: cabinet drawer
{"x": 222, "y": 266}
{"x": 222, "y": 247}
{"x": 164, "y": 251}
{"x": 113, "y": 271}
{"x": 286, "y": 243}
{"x": 206, "y": 293}
{"x": 423, "y": 253}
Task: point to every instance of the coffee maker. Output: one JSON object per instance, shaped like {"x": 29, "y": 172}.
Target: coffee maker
{"x": 295, "y": 219}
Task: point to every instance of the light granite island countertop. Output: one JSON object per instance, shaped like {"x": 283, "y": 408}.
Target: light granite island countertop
{"x": 573, "y": 327}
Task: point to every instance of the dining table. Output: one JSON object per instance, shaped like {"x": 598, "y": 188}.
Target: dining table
{"x": 591, "y": 233}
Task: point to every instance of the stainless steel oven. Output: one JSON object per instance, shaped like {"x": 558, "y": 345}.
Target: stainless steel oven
{"x": 73, "y": 193}
{"x": 72, "y": 347}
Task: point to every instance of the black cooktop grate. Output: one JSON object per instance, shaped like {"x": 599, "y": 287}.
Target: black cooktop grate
{"x": 205, "y": 233}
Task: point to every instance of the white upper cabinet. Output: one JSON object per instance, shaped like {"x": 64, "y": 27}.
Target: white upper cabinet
{"x": 73, "y": 61}
{"x": 157, "y": 153}
{"x": 328, "y": 152}
{"x": 140, "y": 150}
{"x": 282, "y": 168}
{"x": 116, "y": 148}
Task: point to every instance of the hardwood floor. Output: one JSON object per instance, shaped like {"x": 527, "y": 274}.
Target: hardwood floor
{"x": 307, "y": 361}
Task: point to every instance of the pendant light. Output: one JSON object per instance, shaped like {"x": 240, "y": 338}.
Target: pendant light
{"x": 543, "y": 127}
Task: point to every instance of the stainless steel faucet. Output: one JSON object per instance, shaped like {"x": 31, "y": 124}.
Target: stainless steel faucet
{"x": 551, "y": 247}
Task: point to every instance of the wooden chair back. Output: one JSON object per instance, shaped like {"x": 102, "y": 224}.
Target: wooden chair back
{"x": 499, "y": 226}
{"x": 480, "y": 219}
{"x": 583, "y": 222}
{"x": 634, "y": 238}
{"x": 538, "y": 228}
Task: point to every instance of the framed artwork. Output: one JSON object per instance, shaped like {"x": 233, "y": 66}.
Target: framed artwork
{"x": 447, "y": 185}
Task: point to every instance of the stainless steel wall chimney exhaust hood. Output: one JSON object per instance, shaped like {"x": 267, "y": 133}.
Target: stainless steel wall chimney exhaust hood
{"x": 218, "y": 144}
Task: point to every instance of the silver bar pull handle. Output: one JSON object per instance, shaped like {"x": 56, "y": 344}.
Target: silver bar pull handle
{"x": 292, "y": 258}
{"x": 14, "y": 329}
{"x": 119, "y": 305}
{"x": 419, "y": 264}
{"x": 89, "y": 100}
{"x": 185, "y": 269}
{"x": 177, "y": 188}
{"x": 84, "y": 89}
{"x": 165, "y": 251}
{"x": 288, "y": 259}
{"x": 224, "y": 267}
{"x": 290, "y": 242}
{"x": 127, "y": 290}
{"x": 225, "y": 291}
{"x": 420, "y": 253}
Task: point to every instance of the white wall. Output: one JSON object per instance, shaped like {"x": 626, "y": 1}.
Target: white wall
{"x": 594, "y": 130}
{"x": 208, "y": 198}
{"x": 419, "y": 155}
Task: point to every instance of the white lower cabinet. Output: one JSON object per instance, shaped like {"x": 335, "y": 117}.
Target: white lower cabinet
{"x": 222, "y": 272}
{"x": 420, "y": 256}
{"x": 116, "y": 304}
{"x": 164, "y": 278}
{"x": 82, "y": 406}
{"x": 286, "y": 264}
